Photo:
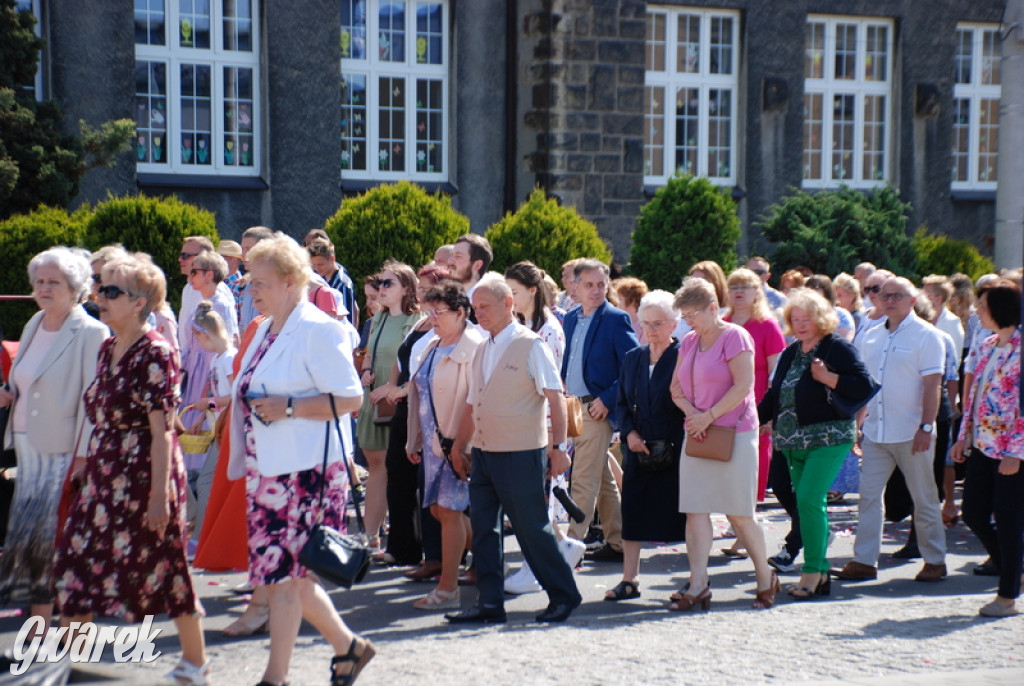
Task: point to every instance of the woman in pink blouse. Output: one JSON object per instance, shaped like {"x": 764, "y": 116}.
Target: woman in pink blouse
{"x": 714, "y": 384}
{"x": 992, "y": 443}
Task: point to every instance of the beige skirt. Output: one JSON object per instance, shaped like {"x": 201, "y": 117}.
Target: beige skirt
{"x": 707, "y": 486}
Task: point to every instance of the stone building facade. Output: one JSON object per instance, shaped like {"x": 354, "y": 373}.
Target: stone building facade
{"x": 484, "y": 99}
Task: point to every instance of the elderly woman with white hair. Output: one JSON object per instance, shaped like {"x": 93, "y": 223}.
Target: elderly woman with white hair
{"x": 55, "y": 363}
{"x": 652, "y": 429}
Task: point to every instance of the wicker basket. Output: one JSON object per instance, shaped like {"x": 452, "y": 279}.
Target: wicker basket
{"x": 196, "y": 439}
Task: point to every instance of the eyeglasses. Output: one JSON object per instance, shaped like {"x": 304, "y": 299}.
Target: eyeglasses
{"x": 385, "y": 283}
{"x": 653, "y": 325}
{"x": 740, "y": 287}
{"x": 436, "y": 313}
{"x": 111, "y": 292}
{"x": 689, "y": 317}
{"x": 760, "y": 272}
{"x": 186, "y": 255}
{"x": 872, "y": 289}
{"x": 197, "y": 271}
{"x": 893, "y": 297}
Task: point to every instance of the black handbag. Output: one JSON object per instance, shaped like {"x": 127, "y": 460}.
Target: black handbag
{"x": 662, "y": 456}
{"x": 8, "y": 458}
{"x": 847, "y": 408}
{"x": 341, "y": 559}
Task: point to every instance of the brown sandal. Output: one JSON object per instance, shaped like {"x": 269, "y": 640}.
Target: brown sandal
{"x": 687, "y": 602}
{"x": 766, "y": 598}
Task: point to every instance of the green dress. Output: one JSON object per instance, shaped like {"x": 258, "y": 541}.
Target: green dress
{"x": 386, "y": 333}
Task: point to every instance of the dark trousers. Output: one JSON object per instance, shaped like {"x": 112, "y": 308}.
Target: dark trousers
{"x": 988, "y": 493}
{"x": 782, "y": 486}
{"x": 512, "y": 483}
{"x": 403, "y": 498}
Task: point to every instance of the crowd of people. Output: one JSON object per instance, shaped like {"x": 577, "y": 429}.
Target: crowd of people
{"x": 468, "y": 397}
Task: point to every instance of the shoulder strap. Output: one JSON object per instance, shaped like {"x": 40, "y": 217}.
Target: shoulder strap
{"x": 351, "y": 472}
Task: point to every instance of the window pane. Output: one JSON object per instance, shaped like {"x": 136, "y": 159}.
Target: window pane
{"x": 151, "y": 112}
{"x": 654, "y": 130}
{"x": 876, "y": 54}
{"x": 194, "y": 24}
{"x": 719, "y": 132}
{"x": 149, "y": 22}
{"x": 429, "y": 33}
{"x": 238, "y": 25}
{"x": 962, "y": 61}
{"x": 961, "y": 139}
{"x": 846, "y": 51}
{"x": 988, "y": 139}
{"x": 238, "y": 111}
{"x": 196, "y": 119}
{"x": 813, "y": 129}
{"x": 688, "y": 46}
{"x": 842, "y": 137}
{"x": 990, "y": 58}
{"x": 353, "y": 121}
{"x": 721, "y": 45}
{"x": 687, "y": 131}
{"x": 429, "y": 125}
{"x": 391, "y": 38}
{"x": 657, "y": 42}
{"x": 353, "y": 29}
{"x": 874, "y": 138}
{"x": 814, "y": 52}
{"x": 391, "y": 124}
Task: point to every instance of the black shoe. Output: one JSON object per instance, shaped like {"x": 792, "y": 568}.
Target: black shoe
{"x": 907, "y": 552}
{"x": 605, "y": 553}
{"x": 594, "y": 537}
{"x": 479, "y": 615}
{"x": 986, "y": 569}
{"x": 558, "y": 612}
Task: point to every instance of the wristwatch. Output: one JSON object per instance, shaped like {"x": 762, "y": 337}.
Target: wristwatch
{"x": 289, "y": 410}
{"x": 927, "y": 428}
{"x": 563, "y": 446}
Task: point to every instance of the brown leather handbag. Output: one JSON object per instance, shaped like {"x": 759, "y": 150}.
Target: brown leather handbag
{"x": 718, "y": 440}
{"x": 573, "y": 416}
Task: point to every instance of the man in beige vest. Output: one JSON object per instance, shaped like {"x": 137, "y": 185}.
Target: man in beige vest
{"x": 513, "y": 382}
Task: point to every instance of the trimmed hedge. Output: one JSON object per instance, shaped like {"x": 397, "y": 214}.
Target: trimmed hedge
{"x": 545, "y": 233}
{"x": 944, "y": 255}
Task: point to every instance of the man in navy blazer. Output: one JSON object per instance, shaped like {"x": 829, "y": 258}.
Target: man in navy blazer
{"x": 597, "y": 337}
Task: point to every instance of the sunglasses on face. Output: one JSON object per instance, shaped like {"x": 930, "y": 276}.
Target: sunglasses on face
{"x": 759, "y": 272}
{"x": 111, "y": 292}
{"x": 197, "y": 271}
{"x": 186, "y": 255}
{"x": 97, "y": 278}
{"x": 385, "y": 283}
{"x": 872, "y": 289}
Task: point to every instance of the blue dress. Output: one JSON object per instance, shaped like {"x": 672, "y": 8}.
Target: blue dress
{"x": 441, "y": 486}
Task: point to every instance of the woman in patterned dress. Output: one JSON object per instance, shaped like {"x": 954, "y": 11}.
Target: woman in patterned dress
{"x": 279, "y": 419}
{"x": 122, "y": 552}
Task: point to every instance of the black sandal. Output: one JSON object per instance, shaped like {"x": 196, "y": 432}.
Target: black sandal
{"x": 624, "y": 590}
{"x": 360, "y": 661}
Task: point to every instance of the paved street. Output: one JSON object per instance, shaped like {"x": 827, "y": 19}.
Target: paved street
{"x": 889, "y": 631}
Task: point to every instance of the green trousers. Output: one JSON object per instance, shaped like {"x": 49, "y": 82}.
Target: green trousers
{"x": 813, "y": 471}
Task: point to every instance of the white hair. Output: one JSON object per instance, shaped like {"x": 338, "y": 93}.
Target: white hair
{"x": 72, "y": 265}
{"x": 661, "y": 299}
{"x": 495, "y": 284}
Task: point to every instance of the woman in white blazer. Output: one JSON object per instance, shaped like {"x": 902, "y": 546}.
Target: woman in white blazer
{"x": 297, "y": 360}
{"x": 55, "y": 363}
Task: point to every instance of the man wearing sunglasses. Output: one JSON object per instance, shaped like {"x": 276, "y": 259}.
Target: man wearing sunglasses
{"x": 759, "y": 265}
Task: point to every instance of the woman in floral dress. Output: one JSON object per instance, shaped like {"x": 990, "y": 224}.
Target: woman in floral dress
{"x": 122, "y": 552}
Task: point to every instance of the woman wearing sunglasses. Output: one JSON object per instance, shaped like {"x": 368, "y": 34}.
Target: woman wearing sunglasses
{"x": 48, "y": 427}
{"x": 399, "y": 312}
{"x": 122, "y": 551}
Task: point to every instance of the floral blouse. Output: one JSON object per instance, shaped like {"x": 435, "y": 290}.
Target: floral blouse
{"x": 995, "y": 411}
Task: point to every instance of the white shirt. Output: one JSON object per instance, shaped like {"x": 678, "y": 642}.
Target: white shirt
{"x": 540, "y": 365}
{"x": 899, "y": 360}
{"x": 950, "y": 323}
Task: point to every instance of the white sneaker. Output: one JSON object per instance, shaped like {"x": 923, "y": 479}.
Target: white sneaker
{"x": 572, "y": 550}
{"x": 522, "y": 581}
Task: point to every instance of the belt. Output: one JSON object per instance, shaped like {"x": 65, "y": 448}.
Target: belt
{"x": 587, "y": 398}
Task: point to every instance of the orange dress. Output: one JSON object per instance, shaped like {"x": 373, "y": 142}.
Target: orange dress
{"x": 223, "y": 540}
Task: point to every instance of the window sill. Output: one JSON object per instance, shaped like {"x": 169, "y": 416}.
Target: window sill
{"x": 736, "y": 192}
{"x": 362, "y": 185}
{"x": 218, "y": 182}
{"x": 965, "y": 195}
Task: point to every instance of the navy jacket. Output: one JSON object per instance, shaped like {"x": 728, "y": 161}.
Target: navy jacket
{"x": 609, "y": 337}
{"x": 645, "y": 402}
{"x": 812, "y": 400}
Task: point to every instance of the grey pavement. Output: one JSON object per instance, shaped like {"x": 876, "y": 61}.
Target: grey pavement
{"x": 889, "y": 631}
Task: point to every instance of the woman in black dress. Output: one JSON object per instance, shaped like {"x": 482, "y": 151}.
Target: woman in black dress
{"x": 651, "y": 427}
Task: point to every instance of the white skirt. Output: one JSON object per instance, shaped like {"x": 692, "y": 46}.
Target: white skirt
{"x": 707, "y": 486}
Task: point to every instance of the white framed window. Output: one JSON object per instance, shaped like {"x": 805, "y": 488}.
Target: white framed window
{"x": 976, "y": 95}
{"x": 197, "y": 99}
{"x": 691, "y": 94}
{"x": 36, "y": 8}
{"x": 394, "y": 89}
{"x": 847, "y": 101}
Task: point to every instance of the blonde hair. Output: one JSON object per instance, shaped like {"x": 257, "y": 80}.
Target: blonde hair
{"x": 209, "y": 321}
{"x": 286, "y": 256}
{"x": 143, "y": 279}
{"x": 821, "y": 311}
{"x": 759, "y": 310}
{"x": 695, "y": 292}
{"x": 852, "y": 286}
{"x": 716, "y": 277}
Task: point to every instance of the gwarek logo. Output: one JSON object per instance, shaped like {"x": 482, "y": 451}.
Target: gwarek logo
{"x": 87, "y": 643}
